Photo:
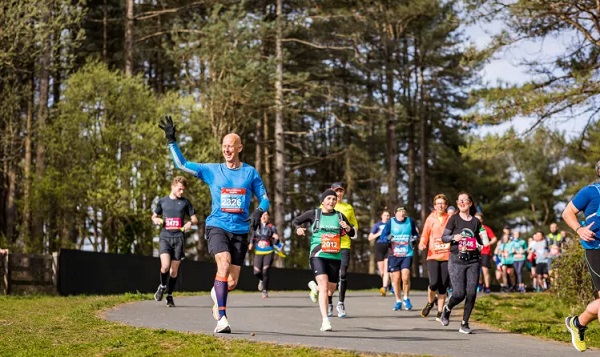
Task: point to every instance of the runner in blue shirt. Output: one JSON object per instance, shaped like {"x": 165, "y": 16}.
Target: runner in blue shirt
{"x": 587, "y": 200}
{"x": 231, "y": 185}
{"x": 402, "y": 232}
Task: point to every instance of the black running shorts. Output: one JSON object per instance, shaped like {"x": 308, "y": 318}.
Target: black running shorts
{"x": 382, "y": 251}
{"x": 486, "y": 261}
{"x": 330, "y": 267}
{"x": 220, "y": 241}
{"x": 172, "y": 246}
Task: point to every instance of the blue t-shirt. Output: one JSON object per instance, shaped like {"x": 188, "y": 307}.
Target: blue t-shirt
{"x": 378, "y": 227}
{"x": 402, "y": 235}
{"x": 588, "y": 201}
{"x": 231, "y": 191}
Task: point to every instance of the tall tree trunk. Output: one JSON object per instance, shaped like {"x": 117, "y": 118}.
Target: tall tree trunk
{"x": 279, "y": 139}
{"x": 105, "y": 32}
{"x": 26, "y": 231}
{"x": 391, "y": 137}
{"x": 128, "y": 38}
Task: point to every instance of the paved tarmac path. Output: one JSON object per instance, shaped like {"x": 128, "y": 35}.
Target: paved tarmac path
{"x": 371, "y": 325}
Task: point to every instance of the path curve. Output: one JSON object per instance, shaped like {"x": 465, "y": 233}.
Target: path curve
{"x": 371, "y": 325}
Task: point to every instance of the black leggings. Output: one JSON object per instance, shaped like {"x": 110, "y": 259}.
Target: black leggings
{"x": 518, "y": 265}
{"x": 438, "y": 275}
{"x": 262, "y": 263}
{"x": 464, "y": 277}
{"x": 592, "y": 260}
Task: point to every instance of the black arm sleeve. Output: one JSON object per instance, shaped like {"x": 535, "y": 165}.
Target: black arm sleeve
{"x": 351, "y": 231}
{"x": 308, "y": 216}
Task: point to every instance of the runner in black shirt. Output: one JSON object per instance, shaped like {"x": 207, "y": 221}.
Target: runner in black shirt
{"x": 462, "y": 231}
{"x": 173, "y": 209}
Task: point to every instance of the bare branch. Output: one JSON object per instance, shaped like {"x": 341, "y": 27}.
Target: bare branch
{"x": 314, "y": 45}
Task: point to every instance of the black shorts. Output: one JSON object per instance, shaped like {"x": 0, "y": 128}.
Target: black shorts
{"x": 330, "y": 267}
{"x": 592, "y": 260}
{"x": 486, "y": 261}
{"x": 541, "y": 269}
{"x": 172, "y": 246}
{"x": 382, "y": 251}
{"x": 220, "y": 241}
{"x": 345, "y": 262}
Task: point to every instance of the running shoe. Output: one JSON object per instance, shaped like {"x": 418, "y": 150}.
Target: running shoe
{"x": 426, "y": 309}
{"x": 407, "y": 304}
{"x": 398, "y": 306}
{"x": 341, "y": 309}
{"x": 215, "y": 308}
{"x": 314, "y": 292}
{"x": 158, "y": 295}
{"x": 391, "y": 289}
{"x": 577, "y": 334}
{"x": 326, "y": 325}
{"x": 329, "y": 310}
{"x": 383, "y": 291}
{"x": 265, "y": 294}
{"x": 223, "y": 326}
{"x": 445, "y": 318}
{"x": 464, "y": 328}
{"x": 170, "y": 302}
{"x": 260, "y": 285}
{"x": 438, "y": 318}
{"x": 487, "y": 290}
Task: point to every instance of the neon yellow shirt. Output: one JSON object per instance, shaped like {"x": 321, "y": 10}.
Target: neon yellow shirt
{"x": 348, "y": 211}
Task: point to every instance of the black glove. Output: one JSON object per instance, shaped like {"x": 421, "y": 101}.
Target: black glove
{"x": 169, "y": 129}
{"x": 255, "y": 218}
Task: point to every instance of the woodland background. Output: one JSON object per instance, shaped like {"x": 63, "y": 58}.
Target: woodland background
{"x": 386, "y": 96}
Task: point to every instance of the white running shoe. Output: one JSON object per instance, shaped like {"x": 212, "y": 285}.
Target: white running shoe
{"x": 223, "y": 326}
{"x": 260, "y": 285}
{"x": 215, "y": 308}
{"x": 341, "y": 309}
{"x": 326, "y": 325}
{"x": 314, "y": 291}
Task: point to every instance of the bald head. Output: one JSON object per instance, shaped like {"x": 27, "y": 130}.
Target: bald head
{"x": 231, "y": 148}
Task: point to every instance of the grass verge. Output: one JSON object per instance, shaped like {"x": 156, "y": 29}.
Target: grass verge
{"x": 71, "y": 326}
{"x": 534, "y": 314}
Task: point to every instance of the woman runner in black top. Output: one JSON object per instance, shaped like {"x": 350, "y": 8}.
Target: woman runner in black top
{"x": 462, "y": 231}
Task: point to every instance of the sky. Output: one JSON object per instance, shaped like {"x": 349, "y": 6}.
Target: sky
{"x": 505, "y": 68}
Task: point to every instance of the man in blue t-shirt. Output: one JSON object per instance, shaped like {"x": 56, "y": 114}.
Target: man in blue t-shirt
{"x": 587, "y": 200}
{"x": 232, "y": 185}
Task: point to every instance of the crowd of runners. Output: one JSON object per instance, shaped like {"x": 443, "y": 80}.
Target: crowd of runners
{"x": 461, "y": 250}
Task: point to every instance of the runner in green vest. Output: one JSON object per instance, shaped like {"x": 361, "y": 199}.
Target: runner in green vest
{"x": 327, "y": 226}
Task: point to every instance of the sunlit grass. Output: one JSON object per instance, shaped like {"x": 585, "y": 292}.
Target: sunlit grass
{"x": 72, "y": 326}
{"x": 535, "y": 314}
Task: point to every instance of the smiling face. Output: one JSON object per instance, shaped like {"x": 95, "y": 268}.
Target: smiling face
{"x": 440, "y": 205}
{"x": 340, "y": 193}
{"x": 231, "y": 147}
{"x": 329, "y": 203}
{"x": 464, "y": 203}
{"x": 265, "y": 218}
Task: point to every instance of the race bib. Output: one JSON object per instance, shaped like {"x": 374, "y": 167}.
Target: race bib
{"x": 232, "y": 200}
{"x": 263, "y": 244}
{"x": 173, "y": 223}
{"x": 467, "y": 244}
{"x": 399, "y": 249}
{"x": 440, "y": 247}
{"x": 330, "y": 243}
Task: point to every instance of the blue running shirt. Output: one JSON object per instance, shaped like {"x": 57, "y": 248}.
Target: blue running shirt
{"x": 231, "y": 191}
{"x": 588, "y": 201}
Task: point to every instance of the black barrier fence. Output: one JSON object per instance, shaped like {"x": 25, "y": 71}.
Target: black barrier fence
{"x": 81, "y": 272}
